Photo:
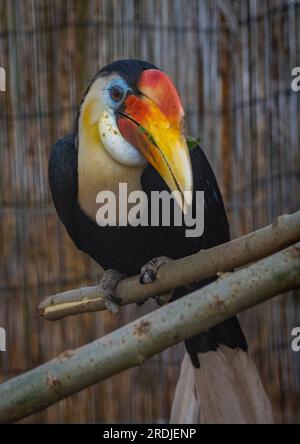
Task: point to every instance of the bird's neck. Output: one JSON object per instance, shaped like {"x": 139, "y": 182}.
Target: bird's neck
{"x": 97, "y": 170}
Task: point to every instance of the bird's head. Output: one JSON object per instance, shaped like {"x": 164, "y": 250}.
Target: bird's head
{"x": 134, "y": 112}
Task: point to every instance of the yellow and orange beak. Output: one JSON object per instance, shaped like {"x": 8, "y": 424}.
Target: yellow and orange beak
{"x": 152, "y": 122}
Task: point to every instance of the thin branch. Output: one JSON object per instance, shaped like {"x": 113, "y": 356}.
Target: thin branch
{"x": 241, "y": 251}
{"x": 134, "y": 343}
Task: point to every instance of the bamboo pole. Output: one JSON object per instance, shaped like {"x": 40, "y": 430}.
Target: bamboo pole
{"x": 238, "y": 252}
{"x": 132, "y": 344}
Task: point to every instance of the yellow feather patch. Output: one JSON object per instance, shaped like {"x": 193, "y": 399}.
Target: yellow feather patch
{"x": 97, "y": 170}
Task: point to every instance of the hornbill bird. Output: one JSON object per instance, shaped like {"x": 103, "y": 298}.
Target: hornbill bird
{"x": 129, "y": 130}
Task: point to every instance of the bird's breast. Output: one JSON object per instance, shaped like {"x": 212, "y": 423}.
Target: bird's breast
{"x": 99, "y": 179}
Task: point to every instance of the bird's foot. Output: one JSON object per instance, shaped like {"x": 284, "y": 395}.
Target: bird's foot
{"x": 150, "y": 269}
{"x": 108, "y": 283}
{"x": 148, "y": 274}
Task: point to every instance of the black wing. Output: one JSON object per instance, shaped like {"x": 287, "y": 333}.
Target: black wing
{"x": 216, "y": 227}
{"x": 64, "y": 183}
{"x": 216, "y": 231}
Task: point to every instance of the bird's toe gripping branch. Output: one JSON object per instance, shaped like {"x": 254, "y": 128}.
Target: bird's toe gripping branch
{"x": 149, "y": 272}
{"x": 150, "y": 269}
{"x": 107, "y": 286}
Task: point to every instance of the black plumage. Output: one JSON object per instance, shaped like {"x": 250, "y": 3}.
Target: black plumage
{"x": 127, "y": 249}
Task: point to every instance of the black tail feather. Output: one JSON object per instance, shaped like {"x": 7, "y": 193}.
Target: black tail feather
{"x": 227, "y": 333}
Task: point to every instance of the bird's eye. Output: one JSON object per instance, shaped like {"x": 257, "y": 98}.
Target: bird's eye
{"x": 116, "y": 93}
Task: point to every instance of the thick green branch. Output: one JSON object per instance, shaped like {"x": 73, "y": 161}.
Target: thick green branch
{"x": 149, "y": 335}
{"x": 244, "y": 250}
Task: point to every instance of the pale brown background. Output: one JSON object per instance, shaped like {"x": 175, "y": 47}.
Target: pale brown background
{"x": 231, "y": 61}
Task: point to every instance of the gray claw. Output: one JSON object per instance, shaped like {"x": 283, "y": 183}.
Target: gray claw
{"x": 108, "y": 283}
{"x": 149, "y": 271}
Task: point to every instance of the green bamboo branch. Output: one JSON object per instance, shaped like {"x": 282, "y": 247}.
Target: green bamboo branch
{"x": 132, "y": 344}
{"x": 283, "y": 232}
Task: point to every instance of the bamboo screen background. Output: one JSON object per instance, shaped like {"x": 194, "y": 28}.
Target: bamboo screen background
{"x": 232, "y": 62}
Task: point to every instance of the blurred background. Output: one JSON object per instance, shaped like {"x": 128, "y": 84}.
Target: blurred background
{"x": 232, "y": 63}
